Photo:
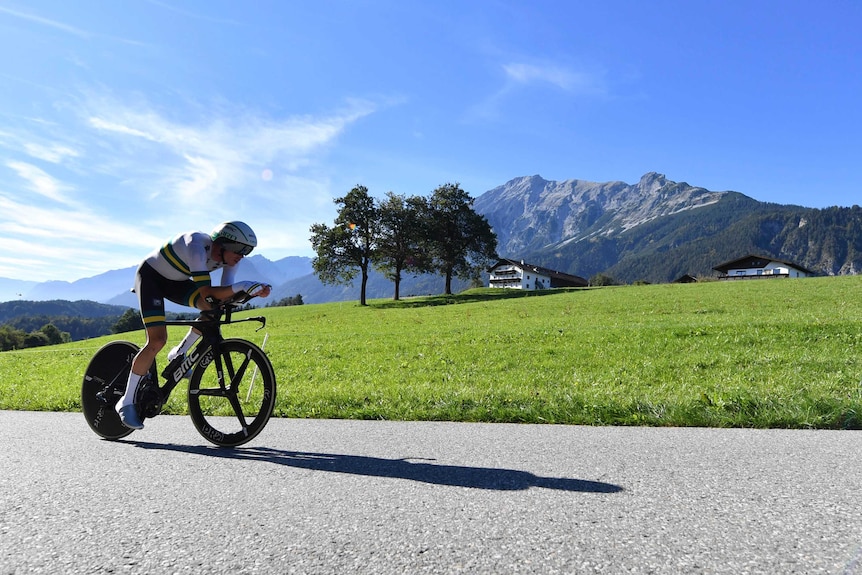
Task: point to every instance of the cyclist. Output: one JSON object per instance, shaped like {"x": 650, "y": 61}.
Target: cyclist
{"x": 180, "y": 272}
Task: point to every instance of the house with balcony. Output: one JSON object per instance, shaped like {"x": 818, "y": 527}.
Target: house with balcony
{"x": 760, "y": 267}
{"x": 515, "y": 274}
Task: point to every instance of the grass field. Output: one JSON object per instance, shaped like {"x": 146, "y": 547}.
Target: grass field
{"x": 769, "y": 353}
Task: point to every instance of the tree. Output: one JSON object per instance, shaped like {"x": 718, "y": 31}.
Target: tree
{"x": 11, "y": 338}
{"x": 403, "y": 228}
{"x": 460, "y": 241}
{"x": 54, "y": 335}
{"x": 287, "y": 301}
{"x": 602, "y": 280}
{"x": 347, "y": 247}
{"x": 129, "y": 321}
{"x": 35, "y": 339}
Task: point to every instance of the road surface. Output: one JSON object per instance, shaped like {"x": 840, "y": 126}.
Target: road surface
{"x": 312, "y": 496}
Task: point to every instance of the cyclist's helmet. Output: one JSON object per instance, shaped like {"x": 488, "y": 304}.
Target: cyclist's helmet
{"x": 235, "y": 237}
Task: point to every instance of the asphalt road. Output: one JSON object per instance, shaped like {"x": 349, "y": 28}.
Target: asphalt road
{"x": 311, "y": 496}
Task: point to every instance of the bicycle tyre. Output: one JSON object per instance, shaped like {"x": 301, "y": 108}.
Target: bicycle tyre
{"x": 235, "y": 412}
{"x": 108, "y": 371}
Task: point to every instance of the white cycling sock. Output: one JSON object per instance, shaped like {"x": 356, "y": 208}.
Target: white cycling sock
{"x": 131, "y": 387}
{"x": 184, "y": 345}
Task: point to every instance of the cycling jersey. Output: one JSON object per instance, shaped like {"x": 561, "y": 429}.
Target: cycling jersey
{"x": 177, "y": 271}
{"x": 189, "y": 256}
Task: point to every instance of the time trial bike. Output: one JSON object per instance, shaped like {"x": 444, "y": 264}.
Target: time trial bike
{"x": 231, "y": 389}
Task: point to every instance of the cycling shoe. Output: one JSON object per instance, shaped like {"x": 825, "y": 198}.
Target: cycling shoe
{"x": 129, "y": 416}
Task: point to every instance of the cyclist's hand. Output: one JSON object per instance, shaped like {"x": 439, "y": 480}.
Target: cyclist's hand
{"x": 267, "y": 289}
{"x": 253, "y": 289}
{"x": 260, "y": 290}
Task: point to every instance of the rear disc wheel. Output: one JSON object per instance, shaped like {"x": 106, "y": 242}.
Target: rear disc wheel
{"x": 104, "y": 384}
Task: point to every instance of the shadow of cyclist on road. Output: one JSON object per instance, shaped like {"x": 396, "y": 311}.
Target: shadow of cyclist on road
{"x": 411, "y": 468}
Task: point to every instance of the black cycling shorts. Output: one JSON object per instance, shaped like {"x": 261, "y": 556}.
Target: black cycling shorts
{"x": 153, "y": 288}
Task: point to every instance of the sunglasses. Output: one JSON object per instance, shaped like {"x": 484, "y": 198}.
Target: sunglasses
{"x": 237, "y": 248}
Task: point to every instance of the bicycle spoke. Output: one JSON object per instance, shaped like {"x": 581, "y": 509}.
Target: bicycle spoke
{"x": 235, "y": 380}
{"x": 212, "y": 392}
{"x": 220, "y": 403}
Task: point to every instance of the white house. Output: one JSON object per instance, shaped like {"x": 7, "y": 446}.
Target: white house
{"x": 519, "y": 275}
{"x": 760, "y": 267}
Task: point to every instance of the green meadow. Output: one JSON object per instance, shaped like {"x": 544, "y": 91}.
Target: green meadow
{"x": 781, "y": 353}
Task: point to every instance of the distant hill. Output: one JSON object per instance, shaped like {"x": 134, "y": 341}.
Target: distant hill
{"x": 14, "y": 309}
{"x": 80, "y": 319}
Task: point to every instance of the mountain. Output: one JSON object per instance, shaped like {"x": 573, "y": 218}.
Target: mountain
{"x": 96, "y": 288}
{"x": 113, "y": 287}
{"x": 279, "y": 271}
{"x": 313, "y": 290}
{"x": 534, "y": 215}
{"x": 14, "y": 289}
{"x": 657, "y": 230}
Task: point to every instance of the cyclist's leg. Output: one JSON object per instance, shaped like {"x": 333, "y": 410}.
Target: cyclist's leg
{"x": 149, "y": 289}
{"x": 191, "y": 297}
{"x": 156, "y": 338}
{"x": 185, "y": 345}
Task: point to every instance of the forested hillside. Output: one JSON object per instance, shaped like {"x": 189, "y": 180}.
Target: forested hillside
{"x": 35, "y": 323}
{"x": 828, "y": 242}
{"x": 82, "y": 308}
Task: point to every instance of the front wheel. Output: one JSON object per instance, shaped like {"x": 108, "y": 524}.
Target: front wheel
{"x": 232, "y": 393}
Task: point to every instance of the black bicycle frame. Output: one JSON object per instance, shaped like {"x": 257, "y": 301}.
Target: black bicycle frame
{"x": 209, "y": 324}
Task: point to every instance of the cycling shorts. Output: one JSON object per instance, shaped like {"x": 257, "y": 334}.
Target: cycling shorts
{"x": 153, "y": 288}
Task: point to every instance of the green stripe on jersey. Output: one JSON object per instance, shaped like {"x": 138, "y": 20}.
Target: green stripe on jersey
{"x": 172, "y": 258}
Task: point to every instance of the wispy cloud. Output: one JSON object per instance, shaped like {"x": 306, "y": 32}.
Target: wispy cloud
{"x": 220, "y": 154}
{"x": 53, "y": 153}
{"x": 46, "y": 22}
{"x": 68, "y": 29}
{"x": 190, "y": 14}
{"x": 121, "y": 177}
{"x": 521, "y": 75}
{"x": 81, "y": 241}
{"x": 120, "y": 128}
{"x": 38, "y": 181}
{"x": 561, "y": 77}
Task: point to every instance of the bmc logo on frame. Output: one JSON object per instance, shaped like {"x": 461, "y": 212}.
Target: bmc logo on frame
{"x": 186, "y": 365}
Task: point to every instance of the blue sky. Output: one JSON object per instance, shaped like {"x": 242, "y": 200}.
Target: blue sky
{"x": 124, "y": 122}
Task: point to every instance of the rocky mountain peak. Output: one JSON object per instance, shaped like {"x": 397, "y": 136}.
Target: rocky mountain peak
{"x": 531, "y": 213}
{"x": 652, "y": 182}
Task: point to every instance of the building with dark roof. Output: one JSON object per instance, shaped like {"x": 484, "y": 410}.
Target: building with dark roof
{"x": 515, "y": 274}
{"x": 760, "y": 267}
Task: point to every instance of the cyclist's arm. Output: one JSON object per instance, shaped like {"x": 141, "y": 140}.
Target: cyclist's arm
{"x": 228, "y": 274}
{"x": 223, "y": 292}
{"x": 214, "y": 292}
